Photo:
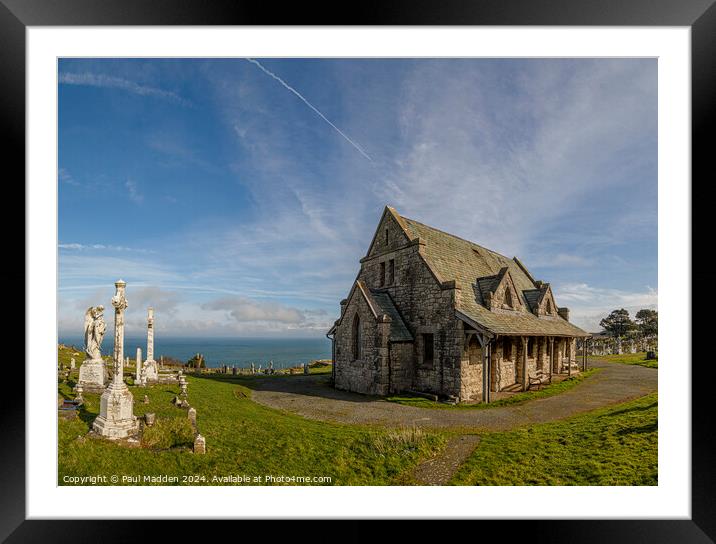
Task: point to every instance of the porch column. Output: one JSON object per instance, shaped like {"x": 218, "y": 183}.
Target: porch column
{"x": 584, "y": 354}
{"x": 524, "y": 363}
{"x": 569, "y": 357}
{"x": 485, "y": 379}
{"x": 552, "y": 368}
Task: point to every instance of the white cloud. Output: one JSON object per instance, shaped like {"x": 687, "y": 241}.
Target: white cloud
{"x": 588, "y": 305}
{"x": 110, "y": 82}
{"x": 133, "y": 191}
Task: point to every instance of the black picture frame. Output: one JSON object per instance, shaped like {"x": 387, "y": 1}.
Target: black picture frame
{"x": 699, "y": 15}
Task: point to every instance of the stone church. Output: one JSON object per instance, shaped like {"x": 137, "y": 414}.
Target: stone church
{"x": 431, "y": 312}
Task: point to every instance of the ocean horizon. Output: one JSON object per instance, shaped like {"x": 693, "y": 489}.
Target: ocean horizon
{"x": 284, "y": 352}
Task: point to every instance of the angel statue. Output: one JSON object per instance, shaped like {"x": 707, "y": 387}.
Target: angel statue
{"x": 95, "y": 328}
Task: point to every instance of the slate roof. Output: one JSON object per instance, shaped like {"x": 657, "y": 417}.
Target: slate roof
{"x": 380, "y": 303}
{"x": 473, "y": 268}
{"x": 398, "y": 330}
{"x": 534, "y": 296}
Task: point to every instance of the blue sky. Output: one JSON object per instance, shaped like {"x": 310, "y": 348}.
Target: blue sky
{"x": 237, "y": 197}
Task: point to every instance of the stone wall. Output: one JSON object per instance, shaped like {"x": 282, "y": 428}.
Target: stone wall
{"x": 360, "y": 375}
{"x": 471, "y": 370}
{"x": 425, "y": 306}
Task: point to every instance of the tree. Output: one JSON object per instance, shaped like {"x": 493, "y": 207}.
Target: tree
{"x": 197, "y": 361}
{"x": 647, "y": 322}
{"x": 617, "y": 323}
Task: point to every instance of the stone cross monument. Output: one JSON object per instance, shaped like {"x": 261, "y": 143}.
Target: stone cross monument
{"x": 151, "y": 370}
{"x": 116, "y": 418}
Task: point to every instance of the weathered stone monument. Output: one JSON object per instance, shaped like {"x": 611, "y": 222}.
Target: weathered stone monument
{"x": 138, "y": 368}
{"x": 150, "y": 370}
{"x": 92, "y": 370}
{"x": 116, "y": 418}
{"x": 72, "y": 363}
{"x": 199, "y": 444}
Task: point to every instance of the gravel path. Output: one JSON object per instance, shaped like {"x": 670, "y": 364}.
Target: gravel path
{"x": 439, "y": 470}
{"x": 312, "y": 397}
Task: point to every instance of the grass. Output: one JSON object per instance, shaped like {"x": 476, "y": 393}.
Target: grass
{"x": 630, "y": 359}
{"x": 611, "y": 446}
{"x": 518, "y": 398}
{"x": 242, "y": 438}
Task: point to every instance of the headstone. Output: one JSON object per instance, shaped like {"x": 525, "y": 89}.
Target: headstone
{"x": 233, "y": 370}
{"x": 146, "y": 399}
{"x": 138, "y": 368}
{"x": 116, "y": 418}
{"x": 192, "y": 417}
{"x": 253, "y": 368}
{"x": 72, "y": 363}
{"x": 199, "y": 444}
{"x": 150, "y": 370}
{"x": 184, "y": 403}
{"x": 150, "y": 418}
{"x": 92, "y": 369}
{"x": 78, "y": 390}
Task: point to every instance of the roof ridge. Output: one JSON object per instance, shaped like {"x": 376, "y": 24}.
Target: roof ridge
{"x": 457, "y": 237}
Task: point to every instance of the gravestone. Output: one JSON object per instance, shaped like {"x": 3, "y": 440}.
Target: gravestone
{"x": 92, "y": 370}
{"x": 138, "y": 369}
{"x": 150, "y": 371}
{"x": 150, "y": 418}
{"x": 199, "y": 444}
{"x": 116, "y": 418}
{"x": 192, "y": 417}
{"x": 72, "y": 363}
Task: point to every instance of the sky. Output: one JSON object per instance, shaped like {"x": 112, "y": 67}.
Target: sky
{"x": 236, "y": 196}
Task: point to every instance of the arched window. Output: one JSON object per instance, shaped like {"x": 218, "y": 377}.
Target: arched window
{"x": 548, "y": 307}
{"x": 508, "y": 297}
{"x": 356, "y": 337}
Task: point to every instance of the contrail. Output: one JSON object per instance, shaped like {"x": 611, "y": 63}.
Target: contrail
{"x": 294, "y": 91}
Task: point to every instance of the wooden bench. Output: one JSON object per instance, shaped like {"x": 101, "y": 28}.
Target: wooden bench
{"x": 566, "y": 364}
{"x": 538, "y": 378}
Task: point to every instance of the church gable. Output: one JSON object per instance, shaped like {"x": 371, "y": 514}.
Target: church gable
{"x": 390, "y": 234}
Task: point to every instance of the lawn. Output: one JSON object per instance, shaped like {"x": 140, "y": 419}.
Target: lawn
{"x": 242, "y": 438}
{"x": 611, "y": 446}
{"x": 629, "y": 359}
{"x": 518, "y": 398}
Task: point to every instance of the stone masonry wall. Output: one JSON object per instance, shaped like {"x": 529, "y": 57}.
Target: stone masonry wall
{"x": 425, "y": 306}
{"x": 359, "y": 375}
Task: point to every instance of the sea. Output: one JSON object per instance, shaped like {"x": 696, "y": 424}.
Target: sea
{"x": 284, "y": 352}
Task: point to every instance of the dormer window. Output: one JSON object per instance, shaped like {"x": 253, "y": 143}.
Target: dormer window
{"x": 548, "y": 307}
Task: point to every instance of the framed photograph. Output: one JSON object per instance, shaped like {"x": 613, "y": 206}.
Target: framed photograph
{"x": 406, "y": 266}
